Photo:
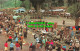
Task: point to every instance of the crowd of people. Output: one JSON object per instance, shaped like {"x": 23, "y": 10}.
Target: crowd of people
{"x": 16, "y": 31}
{"x": 12, "y": 30}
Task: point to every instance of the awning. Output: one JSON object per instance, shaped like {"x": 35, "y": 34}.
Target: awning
{"x": 15, "y": 17}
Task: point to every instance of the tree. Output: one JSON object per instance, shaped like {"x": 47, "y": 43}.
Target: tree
{"x": 75, "y": 11}
{"x": 22, "y": 5}
{"x": 2, "y": 3}
{"x": 77, "y": 18}
{"x": 71, "y": 2}
{"x": 54, "y": 3}
{"x": 61, "y": 2}
{"x": 37, "y": 4}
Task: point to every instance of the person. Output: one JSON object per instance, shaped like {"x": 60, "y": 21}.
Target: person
{"x": 57, "y": 16}
{"x": 59, "y": 48}
{"x": 19, "y": 21}
{"x": 71, "y": 48}
{"x": 63, "y": 22}
{"x": 20, "y": 42}
{"x": 17, "y": 46}
{"x": 51, "y": 42}
{"x": 16, "y": 39}
{"x": 12, "y": 46}
{"x": 25, "y": 34}
{"x": 77, "y": 46}
{"x": 30, "y": 48}
{"x": 38, "y": 46}
{"x": 6, "y": 46}
{"x": 35, "y": 36}
{"x": 37, "y": 40}
{"x": 21, "y": 37}
{"x": 50, "y": 47}
{"x": 64, "y": 47}
{"x": 40, "y": 41}
{"x": 10, "y": 38}
{"x": 46, "y": 47}
{"x": 44, "y": 41}
{"x": 46, "y": 29}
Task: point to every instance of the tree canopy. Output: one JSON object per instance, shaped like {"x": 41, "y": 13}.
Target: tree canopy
{"x": 36, "y": 3}
{"x": 74, "y": 9}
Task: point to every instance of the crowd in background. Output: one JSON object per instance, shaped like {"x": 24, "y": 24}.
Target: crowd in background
{"x": 14, "y": 31}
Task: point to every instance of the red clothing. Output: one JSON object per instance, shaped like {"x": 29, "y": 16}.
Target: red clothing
{"x": 64, "y": 49}
{"x": 31, "y": 44}
{"x": 21, "y": 38}
{"x": 48, "y": 42}
{"x": 38, "y": 45}
{"x": 17, "y": 45}
{"x": 46, "y": 29}
{"x": 19, "y": 20}
{"x": 10, "y": 37}
{"x": 6, "y": 44}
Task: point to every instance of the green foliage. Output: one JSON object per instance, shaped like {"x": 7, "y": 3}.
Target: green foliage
{"x": 58, "y": 3}
{"x": 74, "y": 9}
{"x": 37, "y": 3}
{"x": 27, "y": 4}
{"x": 11, "y": 4}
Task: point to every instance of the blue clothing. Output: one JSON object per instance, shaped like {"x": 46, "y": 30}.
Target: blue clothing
{"x": 14, "y": 35}
{"x": 71, "y": 28}
{"x": 74, "y": 49}
{"x": 16, "y": 39}
{"x": 64, "y": 47}
{"x": 72, "y": 33}
{"x": 15, "y": 21}
{"x": 6, "y": 29}
{"x": 19, "y": 22}
{"x": 12, "y": 45}
{"x": 70, "y": 44}
{"x": 76, "y": 27}
{"x": 44, "y": 41}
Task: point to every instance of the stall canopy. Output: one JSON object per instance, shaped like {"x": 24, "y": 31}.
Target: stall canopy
{"x": 15, "y": 17}
{"x": 57, "y": 10}
{"x": 20, "y": 10}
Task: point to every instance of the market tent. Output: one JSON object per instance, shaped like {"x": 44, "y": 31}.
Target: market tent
{"x": 20, "y": 10}
{"x": 59, "y": 10}
{"x": 15, "y": 17}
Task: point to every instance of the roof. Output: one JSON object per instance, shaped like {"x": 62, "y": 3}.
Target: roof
{"x": 59, "y": 7}
{"x": 14, "y": 8}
